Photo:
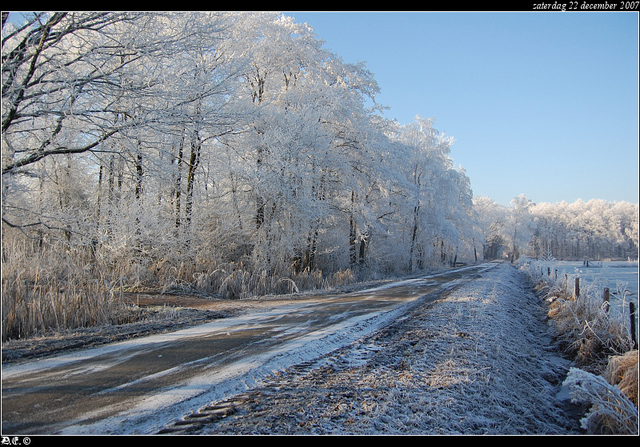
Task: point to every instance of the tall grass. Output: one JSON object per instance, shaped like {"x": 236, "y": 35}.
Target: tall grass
{"x": 55, "y": 288}
{"x": 58, "y": 287}
{"x": 611, "y": 412}
{"x": 601, "y": 347}
{"x": 235, "y": 281}
{"x": 584, "y": 326}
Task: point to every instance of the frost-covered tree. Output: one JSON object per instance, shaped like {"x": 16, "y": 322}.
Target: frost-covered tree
{"x": 519, "y": 226}
{"x": 586, "y": 230}
{"x": 491, "y": 219}
{"x": 438, "y": 198}
{"x": 306, "y": 121}
{"x": 581, "y": 230}
{"x": 99, "y": 84}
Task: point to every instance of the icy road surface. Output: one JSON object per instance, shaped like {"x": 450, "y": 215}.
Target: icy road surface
{"x": 136, "y": 387}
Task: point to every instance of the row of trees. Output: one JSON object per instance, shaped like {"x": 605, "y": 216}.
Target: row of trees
{"x": 157, "y": 139}
{"x": 581, "y": 230}
{"x": 144, "y": 142}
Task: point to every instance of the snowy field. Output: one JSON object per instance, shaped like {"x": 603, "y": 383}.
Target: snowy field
{"x": 621, "y": 277}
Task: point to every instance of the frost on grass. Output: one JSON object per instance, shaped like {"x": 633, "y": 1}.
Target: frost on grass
{"x": 611, "y": 411}
{"x": 622, "y": 371}
{"x": 587, "y": 330}
{"x": 491, "y": 360}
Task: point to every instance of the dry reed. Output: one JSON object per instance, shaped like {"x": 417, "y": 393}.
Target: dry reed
{"x": 622, "y": 371}
{"x": 607, "y": 377}
{"x": 55, "y": 287}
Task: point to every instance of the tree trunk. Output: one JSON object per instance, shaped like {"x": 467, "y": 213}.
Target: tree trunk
{"x": 194, "y": 161}
{"x": 363, "y": 250}
{"x": 414, "y": 235}
{"x": 139, "y": 175}
{"x": 178, "y": 182}
{"x": 353, "y": 253}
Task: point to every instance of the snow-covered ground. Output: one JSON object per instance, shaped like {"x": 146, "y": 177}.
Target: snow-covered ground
{"x": 477, "y": 361}
{"x": 619, "y": 276}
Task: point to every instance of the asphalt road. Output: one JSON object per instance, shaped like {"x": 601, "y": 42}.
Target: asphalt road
{"x": 135, "y": 387}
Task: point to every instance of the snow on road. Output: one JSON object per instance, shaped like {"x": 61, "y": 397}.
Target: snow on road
{"x": 477, "y": 361}
{"x": 190, "y": 367}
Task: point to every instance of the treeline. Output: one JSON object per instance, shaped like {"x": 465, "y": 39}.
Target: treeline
{"x": 593, "y": 230}
{"x": 231, "y": 153}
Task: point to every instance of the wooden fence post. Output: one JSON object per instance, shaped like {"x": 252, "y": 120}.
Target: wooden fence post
{"x": 605, "y": 299}
{"x": 632, "y": 315}
{"x": 576, "y": 288}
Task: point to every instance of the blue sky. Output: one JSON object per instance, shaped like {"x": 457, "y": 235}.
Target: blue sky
{"x": 541, "y": 104}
